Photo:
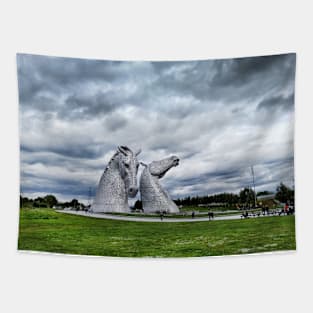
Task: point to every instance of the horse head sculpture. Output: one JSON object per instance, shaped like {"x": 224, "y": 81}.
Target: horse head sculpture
{"x": 128, "y": 166}
{"x": 160, "y": 168}
{"x": 118, "y": 181}
{"x": 154, "y": 197}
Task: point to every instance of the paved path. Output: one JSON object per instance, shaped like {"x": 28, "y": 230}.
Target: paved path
{"x": 152, "y": 219}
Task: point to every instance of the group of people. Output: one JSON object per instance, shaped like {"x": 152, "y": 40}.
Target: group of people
{"x": 265, "y": 210}
{"x": 210, "y": 215}
{"x": 286, "y": 210}
{"x": 193, "y": 214}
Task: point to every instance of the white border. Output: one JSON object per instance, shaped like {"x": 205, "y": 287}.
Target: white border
{"x": 143, "y": 30}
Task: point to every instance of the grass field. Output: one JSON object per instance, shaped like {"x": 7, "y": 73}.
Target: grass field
{"x": 46, "y": 230}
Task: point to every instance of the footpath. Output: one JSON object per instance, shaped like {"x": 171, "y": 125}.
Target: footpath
{"x": 154, "y": 219}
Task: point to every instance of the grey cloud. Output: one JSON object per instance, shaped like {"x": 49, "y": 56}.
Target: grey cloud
{"x": 71, "y": 150}
{"x": 66, "y": 71}
{"x": 66, "y": 187}
{"x": 277, "y": 102}
{"x": 84, "y": 107}
{"x": 115, "y": 122}
{"x": 211, "y": 78}
{"x": 243, "y": 70}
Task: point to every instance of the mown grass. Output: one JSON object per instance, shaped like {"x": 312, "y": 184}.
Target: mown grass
{"x": 47, "y": 230}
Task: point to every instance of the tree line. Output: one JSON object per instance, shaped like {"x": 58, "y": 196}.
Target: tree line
{"x": 246, "y": 196}
{"x": 49, "y": 201}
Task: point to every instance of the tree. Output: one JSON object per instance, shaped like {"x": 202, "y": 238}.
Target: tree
{"x": 39, "y": 202}
{"x": 51, "y": 200}
{"x": 247, "y": 195}
{"x": 263, "y": 193}
{"x": 74, "y": 203}
{"x": 284, "y": 194}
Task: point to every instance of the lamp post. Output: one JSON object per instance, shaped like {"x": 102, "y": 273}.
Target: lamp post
{"x": 252, "y": 171}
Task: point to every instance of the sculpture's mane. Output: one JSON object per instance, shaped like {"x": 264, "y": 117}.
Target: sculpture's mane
{"x": 161, "y": 174}
{"x": 111, "y": 160}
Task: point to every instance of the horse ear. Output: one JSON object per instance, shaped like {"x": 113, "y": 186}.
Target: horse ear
{"x": 137, "y": 152}
{"x": 122, "y": 149}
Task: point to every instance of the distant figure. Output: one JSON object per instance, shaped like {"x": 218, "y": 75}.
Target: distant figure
{"x": 267, "y": 210}
{"x": 245, "y": 214}
{"x": 161, "y": 216}
{"x": 211, "y": 215}
{"x": 193, "y": 214}
{"x": 286, "y": 208}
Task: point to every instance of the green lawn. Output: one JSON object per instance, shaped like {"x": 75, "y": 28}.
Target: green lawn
{"x": 46, "y": 230}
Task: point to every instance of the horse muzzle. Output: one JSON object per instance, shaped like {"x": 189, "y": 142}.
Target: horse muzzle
{"x": 176, "y": 161}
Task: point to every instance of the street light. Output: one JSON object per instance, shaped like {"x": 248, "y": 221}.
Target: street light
{"x": 252, "y": 171}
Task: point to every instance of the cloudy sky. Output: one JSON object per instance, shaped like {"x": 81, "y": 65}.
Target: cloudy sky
{"x": 218, "y": 116}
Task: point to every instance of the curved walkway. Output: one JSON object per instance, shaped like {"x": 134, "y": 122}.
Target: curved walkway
{"x": 153, "y": 219}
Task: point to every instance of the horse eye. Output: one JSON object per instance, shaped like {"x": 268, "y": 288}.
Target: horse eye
{"x": 126, "y": 165}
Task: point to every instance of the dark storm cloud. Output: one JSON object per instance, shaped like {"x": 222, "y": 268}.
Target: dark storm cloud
{"x": 71, "y": 150}
{"x": 79, "y": 151}
{"x": 46, "y": 72}
{"x": 206, "y": 177}
{"x": 249, "y": 78}
{"x": 218, "y": 116}
{"x": 59, "y": 84}
{"x": 236, "y": 72}
{"x": 59, "y": 186}
{"x": 83, "y": 106}
{"x": 277, "y": 102}
{"x": 230, "y": 79}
